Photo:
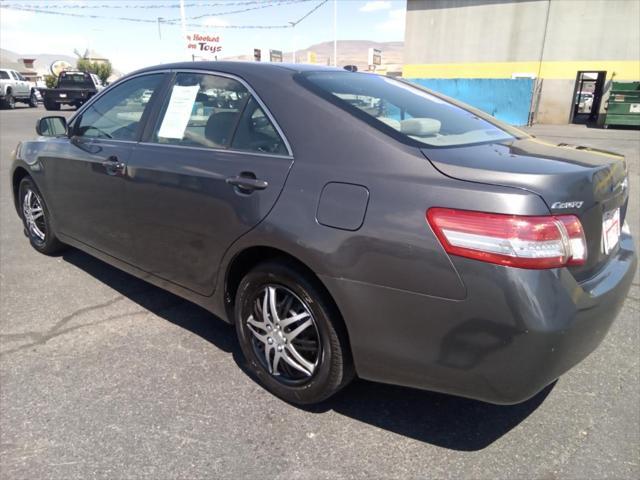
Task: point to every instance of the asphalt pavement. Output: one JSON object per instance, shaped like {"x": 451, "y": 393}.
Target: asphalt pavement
{"x": 105, "y": 376}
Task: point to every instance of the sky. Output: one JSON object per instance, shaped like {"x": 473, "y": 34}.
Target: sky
{"x": 132, "y": 45}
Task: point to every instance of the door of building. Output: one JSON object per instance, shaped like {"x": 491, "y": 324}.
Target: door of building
{"x": 587, "y": 96}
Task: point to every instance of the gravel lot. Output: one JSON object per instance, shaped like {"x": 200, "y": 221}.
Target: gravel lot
{"x": 105, "y": 376}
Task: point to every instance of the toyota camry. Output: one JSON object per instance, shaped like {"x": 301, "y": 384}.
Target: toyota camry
{"x": 347, "y": 224}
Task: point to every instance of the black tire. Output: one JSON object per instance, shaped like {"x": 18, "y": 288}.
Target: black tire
{"x": 51, "y": 105}
{"x": 50, "y": 245}
{"x": 9, "y": 101}
{"x": 33, "y": 100}
{"x": 333, "y": 367}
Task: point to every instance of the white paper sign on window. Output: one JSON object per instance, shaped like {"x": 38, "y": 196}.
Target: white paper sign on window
{"x": 178, "y": 112}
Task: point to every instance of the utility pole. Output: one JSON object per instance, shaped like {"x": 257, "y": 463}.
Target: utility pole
{"x": 160, "y": 19}
{"x": 335, "y": 33}
{"x": 183, "y": 22}
{"x": 293, "y": 36}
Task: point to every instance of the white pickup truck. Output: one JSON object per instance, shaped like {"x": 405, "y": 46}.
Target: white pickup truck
{"x": 15, "y": 88}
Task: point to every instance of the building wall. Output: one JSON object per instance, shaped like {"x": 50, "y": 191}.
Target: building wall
{"x": 550, "y": 40}
{"x": 506, "y": 99}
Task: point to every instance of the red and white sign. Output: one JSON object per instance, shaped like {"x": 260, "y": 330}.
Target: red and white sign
{"x": 208, "y": 44}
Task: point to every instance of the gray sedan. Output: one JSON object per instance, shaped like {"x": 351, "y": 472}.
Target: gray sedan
{"x": 347, "y": 224}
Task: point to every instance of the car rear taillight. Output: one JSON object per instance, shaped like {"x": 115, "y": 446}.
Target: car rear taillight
{"x": 518, "y": 241}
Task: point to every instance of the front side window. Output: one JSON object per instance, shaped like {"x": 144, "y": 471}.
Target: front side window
{"x": 411, "y": 111}
{"x": 206, "y": 110}
{"x": 4, "y": 75}
{"x": 14, "y": 75}
{"x": 117, "y": 114}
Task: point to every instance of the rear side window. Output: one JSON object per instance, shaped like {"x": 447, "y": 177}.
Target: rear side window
{"x": 202, "y": 111}
{"x": 212, "y": 111}
{"x": 410, "y": 111}
{"x": 4, "y": 75}
{"x": 75, "y": 80}
{"x": 256, "y": 133}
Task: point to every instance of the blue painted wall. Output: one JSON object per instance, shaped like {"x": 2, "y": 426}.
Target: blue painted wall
{"x": 506, "y": 99}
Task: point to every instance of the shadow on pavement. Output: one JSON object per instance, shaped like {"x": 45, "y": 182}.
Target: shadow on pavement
{"x": 442, "y": 420}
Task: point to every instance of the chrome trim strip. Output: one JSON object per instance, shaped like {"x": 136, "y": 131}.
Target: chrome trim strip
{"x": 109, "y": 140}
{"x": 216, "y": 150}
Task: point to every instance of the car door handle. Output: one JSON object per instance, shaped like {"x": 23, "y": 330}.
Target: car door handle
{"x": 247, "y": 182}
{"x": 113, "y": 165}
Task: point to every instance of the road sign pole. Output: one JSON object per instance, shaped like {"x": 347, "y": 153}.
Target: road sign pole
{"x": 335, "y": 33}
{"x": 183, "y": 21}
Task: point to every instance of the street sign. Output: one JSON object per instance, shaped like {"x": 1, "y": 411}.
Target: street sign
{"x": 275, "y": 56}
{"x": 375, "y": 57}
{"x": 312, "y": 57}
{"x": 59, "y": 66}
{"x": 207, "y": 44}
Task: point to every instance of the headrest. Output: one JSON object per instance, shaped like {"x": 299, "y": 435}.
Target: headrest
{"x": 420, "y": 127}
{"x": 219, "y": 127}
{"x": 392, "y": 122}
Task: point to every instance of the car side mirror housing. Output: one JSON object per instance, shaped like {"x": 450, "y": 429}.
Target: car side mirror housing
{"x": 51, "y": 126}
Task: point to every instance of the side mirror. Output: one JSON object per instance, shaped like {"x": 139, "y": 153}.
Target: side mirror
{"x": 51, "y": 126}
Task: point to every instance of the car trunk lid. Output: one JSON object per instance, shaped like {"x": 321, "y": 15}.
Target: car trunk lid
{"x": 581, "y": 181}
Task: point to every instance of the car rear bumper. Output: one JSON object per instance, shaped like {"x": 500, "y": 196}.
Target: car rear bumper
{"x": 515, "y": 332}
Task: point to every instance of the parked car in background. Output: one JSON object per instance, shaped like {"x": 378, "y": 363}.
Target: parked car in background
{"x": 145, "y": 96}
{"x": 585, "y": 102}
{"x": 72, "y": 88}
{"x": 15, "y": 88}
{"x": 345, "y": 223}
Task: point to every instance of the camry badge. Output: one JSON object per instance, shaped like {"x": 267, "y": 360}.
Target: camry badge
{"x": 559, "y": 205}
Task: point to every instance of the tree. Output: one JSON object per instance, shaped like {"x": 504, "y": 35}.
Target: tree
{"x": 101, "y": 69}
{"x": 50, "y": 81}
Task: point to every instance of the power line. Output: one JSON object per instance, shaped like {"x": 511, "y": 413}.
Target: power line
{"x": 293, "y": 24}
{"x": 123, "y": 4}
{"x": 276, "y": 3}
{"x": 155, "y": 21}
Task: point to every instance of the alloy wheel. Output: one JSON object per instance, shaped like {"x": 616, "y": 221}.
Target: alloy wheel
{"x": 33, "y": 210}
{"x": 285, "y": 336}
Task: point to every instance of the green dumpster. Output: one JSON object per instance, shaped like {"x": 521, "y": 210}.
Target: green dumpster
{"x": 623, "y": 107}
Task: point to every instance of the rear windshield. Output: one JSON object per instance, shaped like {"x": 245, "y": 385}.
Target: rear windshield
{"x": 413, "y": 112}
{"x": 75, "y": 80}
{"x": 4, "y": 75}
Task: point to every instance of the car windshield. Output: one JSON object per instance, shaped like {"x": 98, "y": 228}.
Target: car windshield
{"x": 418, "y": 114}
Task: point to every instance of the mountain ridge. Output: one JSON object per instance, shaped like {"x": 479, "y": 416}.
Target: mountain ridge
{"x": 350, "y": 52}
{"x": 9, "y": 59}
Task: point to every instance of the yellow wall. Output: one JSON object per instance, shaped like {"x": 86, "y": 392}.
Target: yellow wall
{"x": 624, "y": 70}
